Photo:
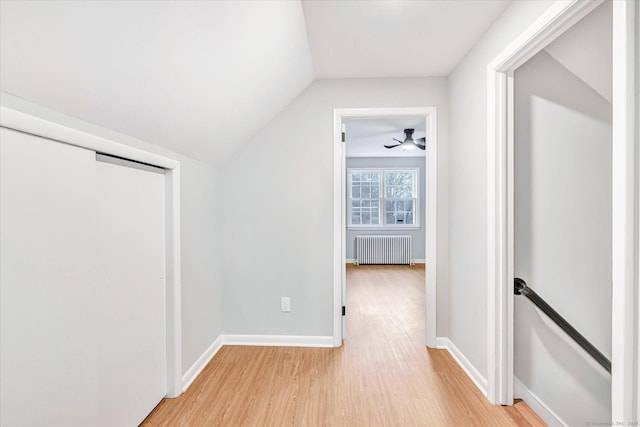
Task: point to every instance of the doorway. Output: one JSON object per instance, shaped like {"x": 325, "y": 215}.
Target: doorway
{"x": 427, "y": 116}
{"x": 500, "y": 138}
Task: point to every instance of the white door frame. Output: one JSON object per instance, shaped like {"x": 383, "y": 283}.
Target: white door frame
{"x": 17, "y": 120}
{"x": 339, "y": 219}
{"x": 556, "y": 20}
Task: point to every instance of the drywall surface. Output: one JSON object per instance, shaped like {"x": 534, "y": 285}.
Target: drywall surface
{"x": 200, "y": 239}
{"x": 196, "y": 77}
{"x": 468, "y": 182}
{"x": 563, "y": 236}
{"x": 593, "y": 65}
{"x": 418, "y": 233}
{"x": 278, "y": 208}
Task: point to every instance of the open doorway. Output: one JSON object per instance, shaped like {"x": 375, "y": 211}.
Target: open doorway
{"x": 401, "y": 212}
{"x": 385, "y": 228}
{"x": 500, "y": 138}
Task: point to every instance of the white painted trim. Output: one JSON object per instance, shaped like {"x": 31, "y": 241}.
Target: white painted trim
{"x": 195, "y": 369}
{"x": 556, "y": 20}
{"x": 339, "y": 228}
{"x": 624, "y": 336}
{"x": 536, "y": 404}
{"x": 465, "y": 364}
{"x": 32, "y": 124}
{"x": 23, "y": 122}
{"x": 278, "y": 340}
{"x": 339, "y": 220}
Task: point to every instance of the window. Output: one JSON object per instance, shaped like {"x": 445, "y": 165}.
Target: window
{"x": 383, "y": 197}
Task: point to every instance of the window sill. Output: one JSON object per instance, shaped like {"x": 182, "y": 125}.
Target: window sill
{"x": 396, "y": 228}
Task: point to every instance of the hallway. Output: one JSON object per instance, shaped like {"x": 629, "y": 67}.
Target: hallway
{"x": 382, "y": 376}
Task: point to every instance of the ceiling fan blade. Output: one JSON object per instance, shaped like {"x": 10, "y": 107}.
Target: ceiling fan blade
{"x": 391, "y": 146}
{"x": 422, "y": 140}
{"x": 422, "y": 147}
{"x": 397, "y": 140}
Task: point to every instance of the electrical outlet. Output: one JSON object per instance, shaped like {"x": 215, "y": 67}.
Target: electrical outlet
{"x": 285, "y": 304}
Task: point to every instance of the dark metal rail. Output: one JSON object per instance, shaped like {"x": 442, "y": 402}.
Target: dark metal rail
{"x": 520, "y": 288}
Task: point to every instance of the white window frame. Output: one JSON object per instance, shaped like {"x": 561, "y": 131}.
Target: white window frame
{"x": 382, "y": 225}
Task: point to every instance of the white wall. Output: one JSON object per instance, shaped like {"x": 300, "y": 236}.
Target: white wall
{"x": 467, "y": 182}
{"x": 278, "y": 208}
{"x": 563, "y": 236}
{"x": 200, "y": 244}
{"x": 593, "y": 65}
{"x": 417, "y": 234}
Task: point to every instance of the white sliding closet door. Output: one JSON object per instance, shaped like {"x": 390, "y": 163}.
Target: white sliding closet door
{"x": 48, "y": 339}
{"x": 82, "y": 292}
{"x": 131, "y": 269}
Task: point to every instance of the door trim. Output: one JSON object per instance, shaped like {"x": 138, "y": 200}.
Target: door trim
{"x": 339, "y": 220}
{"x": 20, "y": 121}
{"x": 561, "y": 16}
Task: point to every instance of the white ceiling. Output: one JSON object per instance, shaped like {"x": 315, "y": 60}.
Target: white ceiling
{"x": 366, "y": 137}
{"x": 587, "y": 50}
{"x": 202, "y": 77}
{"x": 197, "y": 77}
{"x": 394, "y": 38}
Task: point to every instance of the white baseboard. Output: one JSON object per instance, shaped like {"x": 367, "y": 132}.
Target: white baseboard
{"x": 442, "y": 342}
{"x": 278, "y": 340}
{"x": 199, "y": 365}
{"x": 539, "y": 407}
{"x": 465, "y": 364}
{"x": 350, "y": 260}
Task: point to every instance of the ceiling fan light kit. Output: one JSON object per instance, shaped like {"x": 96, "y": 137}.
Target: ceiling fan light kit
{"x": 409, "y": 142}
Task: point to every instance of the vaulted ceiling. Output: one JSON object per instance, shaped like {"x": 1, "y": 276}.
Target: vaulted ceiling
{"x": 202, "y": 77}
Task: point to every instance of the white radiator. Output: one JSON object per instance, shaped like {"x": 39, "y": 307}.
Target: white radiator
{"x": 383, "y": 250}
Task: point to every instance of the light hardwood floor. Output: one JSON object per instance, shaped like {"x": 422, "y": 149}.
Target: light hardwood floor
{"x": 382, "y": 376}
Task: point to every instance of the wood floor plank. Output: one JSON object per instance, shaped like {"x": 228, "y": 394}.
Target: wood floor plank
{"x": 382, "y": 376}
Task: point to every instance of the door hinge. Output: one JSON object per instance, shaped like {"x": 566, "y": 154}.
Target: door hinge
{"x": 344, "y": 137}
{"x": 344, "y": 310}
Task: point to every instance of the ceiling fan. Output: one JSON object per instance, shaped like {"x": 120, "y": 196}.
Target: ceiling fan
{"x": 409, "y": 142}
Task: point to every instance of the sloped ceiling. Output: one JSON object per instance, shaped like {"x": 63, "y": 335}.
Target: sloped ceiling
{"x": 395, "y": 38}
{"x": 202, "y": 77}
{"x": 586, "y": 50}
{"x": 197, "y": 77}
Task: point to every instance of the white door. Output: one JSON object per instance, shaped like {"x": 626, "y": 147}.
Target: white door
{"x": 130, "y": 224}
{"x": 47, "y": 317}
{"x": 81, "y": 287}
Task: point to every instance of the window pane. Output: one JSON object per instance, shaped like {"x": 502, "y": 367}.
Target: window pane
{"x": 355, "y": 218}
{"x": 375, "y": 216}
{"x": 390, "y": 218}
{"x": 366, "y": 192}
{"x": 409, "y": 219}
{"x": 366, "y": 203}
{"x": 355, "y": 177}
{"x": 355, "y": 204}
{"x": 375, "y": 190}
{"x": 355, "y": 191}
{"x": 366, "y": 218}
{"x": 399, "y": 184}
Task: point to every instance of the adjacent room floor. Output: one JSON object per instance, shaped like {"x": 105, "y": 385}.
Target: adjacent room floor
{"x": 382, "y": 376}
